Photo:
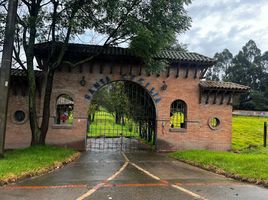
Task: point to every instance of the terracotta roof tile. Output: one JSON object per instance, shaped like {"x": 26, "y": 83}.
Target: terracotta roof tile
{"x": 223, "y": 85}
{"x": 118, "y": 51}
{"x": 20, "y": 72}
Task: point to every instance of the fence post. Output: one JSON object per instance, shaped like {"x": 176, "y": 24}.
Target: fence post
{"x": 265, "y": 134}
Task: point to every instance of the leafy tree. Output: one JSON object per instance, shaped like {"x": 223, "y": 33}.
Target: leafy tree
{"x": 248, "y": 67}
{"x": 113, "y": 99}
{"x": 224, "y": 62}
{"x": 147, "y": 26}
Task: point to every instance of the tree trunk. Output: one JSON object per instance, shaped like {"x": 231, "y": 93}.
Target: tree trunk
{"x": 36, "y": 133}
{"x": 123, "y": 120}
{"x": 46, "y": 106}
{"x": 117, "y": 118}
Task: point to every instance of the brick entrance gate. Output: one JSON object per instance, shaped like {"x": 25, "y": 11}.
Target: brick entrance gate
{"x": 206, "y": 106}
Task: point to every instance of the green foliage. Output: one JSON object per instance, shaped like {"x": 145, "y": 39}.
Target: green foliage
{"x": 19, "y": 162}
{"x": 147, "y": 26}
{"x": 162, "y": 21}
{"x": 248, "y": 67}
{"x": 113, "y": 98}
{"x": 224, "y": 61}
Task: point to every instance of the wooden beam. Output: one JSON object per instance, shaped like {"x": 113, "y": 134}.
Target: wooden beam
{"x": 101, "y": 68}
{"x": 207, "y": 99}
{"x": 230, "y": 98}
{"x": 111, "y": 68}
{"x": 91, "y": 67}
{"x": 200, "y": 94}
{"x": 215, "y": 97}
{"x": 178, "y": 71}
{"x": 222, "y": 97}
{"x": 187, "y": 70}
{"x": 168, "y": 71}
{"x": 195, "y": 71}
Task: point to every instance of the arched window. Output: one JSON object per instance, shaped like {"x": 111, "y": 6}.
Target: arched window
{"x": 178, "y": 114}
{"x": 65, "y": 106}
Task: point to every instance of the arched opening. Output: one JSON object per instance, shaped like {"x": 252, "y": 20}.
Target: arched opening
{"x": 64, "y": 110}
{"x": 178, "y": 114}
{"x": 121, "y": 116}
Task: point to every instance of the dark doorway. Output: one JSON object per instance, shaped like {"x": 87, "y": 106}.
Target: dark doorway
{"x": 121, "y": 116}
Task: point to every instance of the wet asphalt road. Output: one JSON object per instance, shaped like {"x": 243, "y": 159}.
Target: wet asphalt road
{"x": 145, "y": 176}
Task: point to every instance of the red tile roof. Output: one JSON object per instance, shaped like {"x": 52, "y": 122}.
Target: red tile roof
{"x": 223, "y": 85}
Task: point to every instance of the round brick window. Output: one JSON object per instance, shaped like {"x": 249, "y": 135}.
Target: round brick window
{"x": 214, "y": 123}
{"x": 19, "y": 116}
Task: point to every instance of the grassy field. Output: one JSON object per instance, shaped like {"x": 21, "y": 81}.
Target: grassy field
{"x": 104, "y": 125}
{"x": 251, "y": 163}
{"x": 247, "y": 131}
{"x": 31, "y": 161}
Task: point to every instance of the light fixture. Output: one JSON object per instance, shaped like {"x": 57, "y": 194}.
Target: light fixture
{"x": 164, "y": 86}
{"x": 82, "y": 81}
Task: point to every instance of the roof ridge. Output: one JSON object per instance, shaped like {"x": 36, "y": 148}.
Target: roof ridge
{"x": 172, "y": 55}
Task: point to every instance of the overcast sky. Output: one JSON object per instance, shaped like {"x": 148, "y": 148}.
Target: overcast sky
{"x": 220, "y": 24}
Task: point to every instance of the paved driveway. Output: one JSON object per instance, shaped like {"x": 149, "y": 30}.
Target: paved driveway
{"x": 130, "y": 176}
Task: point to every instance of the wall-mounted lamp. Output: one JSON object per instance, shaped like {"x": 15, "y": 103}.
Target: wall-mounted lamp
{"x": 82, "y": 81}
{"x": 164, "y": 86}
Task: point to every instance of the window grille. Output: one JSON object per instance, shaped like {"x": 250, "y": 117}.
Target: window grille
{"x": 178, "y": 114}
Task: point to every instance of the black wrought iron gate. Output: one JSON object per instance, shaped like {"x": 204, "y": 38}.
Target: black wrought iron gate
{"x": 121, "y": 116}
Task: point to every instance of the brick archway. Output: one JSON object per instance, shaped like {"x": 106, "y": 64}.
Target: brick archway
{"x": 123, "y": 122}
{"x": 82, "y": 77}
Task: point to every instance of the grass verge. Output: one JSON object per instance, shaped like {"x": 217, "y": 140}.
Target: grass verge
{"x": 250, "y": 165}
{"x": 247, "y": 131}
{"x": 33, "y": 161}
{"x": 248, "y": 162}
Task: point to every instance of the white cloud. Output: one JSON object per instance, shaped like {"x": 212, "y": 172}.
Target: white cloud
{"x": 219, "y": 24}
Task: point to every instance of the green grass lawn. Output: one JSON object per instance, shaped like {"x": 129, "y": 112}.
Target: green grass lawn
{"x": 249, "y": 164}
{"x": 104, "y": 125}
{"x": 31, "y": 161}
{"x": 247, "y": 131}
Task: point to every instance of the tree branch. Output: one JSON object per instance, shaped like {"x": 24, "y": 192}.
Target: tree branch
{"x": 18, "y": 60}
{"x": 44, "y": 4}
{"x": 3, "y": 2}
{"x": 27, "y": 4}
{"x": 135, "y": 3}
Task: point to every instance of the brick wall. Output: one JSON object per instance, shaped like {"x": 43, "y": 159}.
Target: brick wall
{"x": 198, "y": 134}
